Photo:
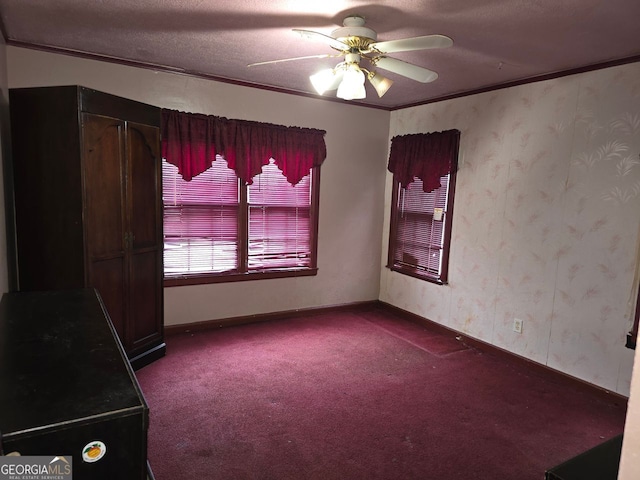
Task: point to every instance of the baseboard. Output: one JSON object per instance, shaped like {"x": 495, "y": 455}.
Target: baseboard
{"x": 263, "y": 317}
{"x": 604, "y": 394}
{"x": 483, "y": 346}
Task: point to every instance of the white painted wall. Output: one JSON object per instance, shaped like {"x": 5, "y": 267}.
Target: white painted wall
{"x": 545, "y": 221}
{"x": 352, "y": 179}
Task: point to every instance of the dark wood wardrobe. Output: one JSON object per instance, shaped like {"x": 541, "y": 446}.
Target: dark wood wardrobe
{"x": 87, "y": 190}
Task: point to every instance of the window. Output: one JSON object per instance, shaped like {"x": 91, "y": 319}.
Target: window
{"x": 421, "y": 229}
{"x": 218, "y": 229}
{"x": 424, "y": 169}
{"x": 240, "y": 198}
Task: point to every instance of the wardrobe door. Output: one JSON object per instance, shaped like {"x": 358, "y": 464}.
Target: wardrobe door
{"x": 144, "y": 190}
{"x": 103, "y": 170}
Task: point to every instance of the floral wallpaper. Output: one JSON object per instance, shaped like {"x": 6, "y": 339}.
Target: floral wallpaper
{"x": 546, "y": 221}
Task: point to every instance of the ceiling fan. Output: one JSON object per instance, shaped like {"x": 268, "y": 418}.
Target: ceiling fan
{"x": 355, "y": 43}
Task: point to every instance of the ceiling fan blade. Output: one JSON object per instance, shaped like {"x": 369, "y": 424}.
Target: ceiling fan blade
{"x": 405, "y": 69}
{"x": 291, "y": 59}
{"x": 332, "y": 42}
{"x": 414, "y": 43}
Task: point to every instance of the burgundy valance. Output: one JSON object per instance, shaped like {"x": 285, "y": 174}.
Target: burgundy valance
{"x": 191, "y": 141}
{"x": 427, "y": 156}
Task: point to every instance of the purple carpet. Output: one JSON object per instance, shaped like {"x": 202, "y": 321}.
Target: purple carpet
{"x": 359, "y": 395}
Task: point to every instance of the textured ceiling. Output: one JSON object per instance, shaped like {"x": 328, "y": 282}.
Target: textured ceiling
{"x": 496, "y": 42}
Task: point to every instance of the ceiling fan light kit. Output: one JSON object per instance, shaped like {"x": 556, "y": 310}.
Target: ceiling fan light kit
{"x": 352, "y": 85}
{"x": 354, "y": 41}
{"x": 380, "y": 83}
{"x": 326, "y": 80}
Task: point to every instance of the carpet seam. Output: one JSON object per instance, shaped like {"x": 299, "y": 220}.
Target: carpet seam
{"x": 465, "y": 348}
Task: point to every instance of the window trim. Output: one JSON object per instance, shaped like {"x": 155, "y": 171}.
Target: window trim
{"x": 443, "y": 278}
{"x": 243, "y": 231}
{"x": 201, "y": 279}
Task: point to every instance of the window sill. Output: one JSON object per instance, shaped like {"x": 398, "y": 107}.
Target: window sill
{"x": 177, "y": 281}
{"x": 419, "y": 274}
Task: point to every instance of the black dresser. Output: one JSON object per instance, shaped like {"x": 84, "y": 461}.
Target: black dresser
{"x": 66, "y": 386}
{"x": 599, "y": 463}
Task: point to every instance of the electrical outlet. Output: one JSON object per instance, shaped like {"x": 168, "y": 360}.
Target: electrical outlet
{"x": 517, "y": 325}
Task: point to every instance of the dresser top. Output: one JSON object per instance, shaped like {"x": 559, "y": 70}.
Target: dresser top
{"x": 61, "y": 362}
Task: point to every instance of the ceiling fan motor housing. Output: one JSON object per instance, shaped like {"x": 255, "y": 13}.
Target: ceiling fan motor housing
{"x": 354, "y": 33}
